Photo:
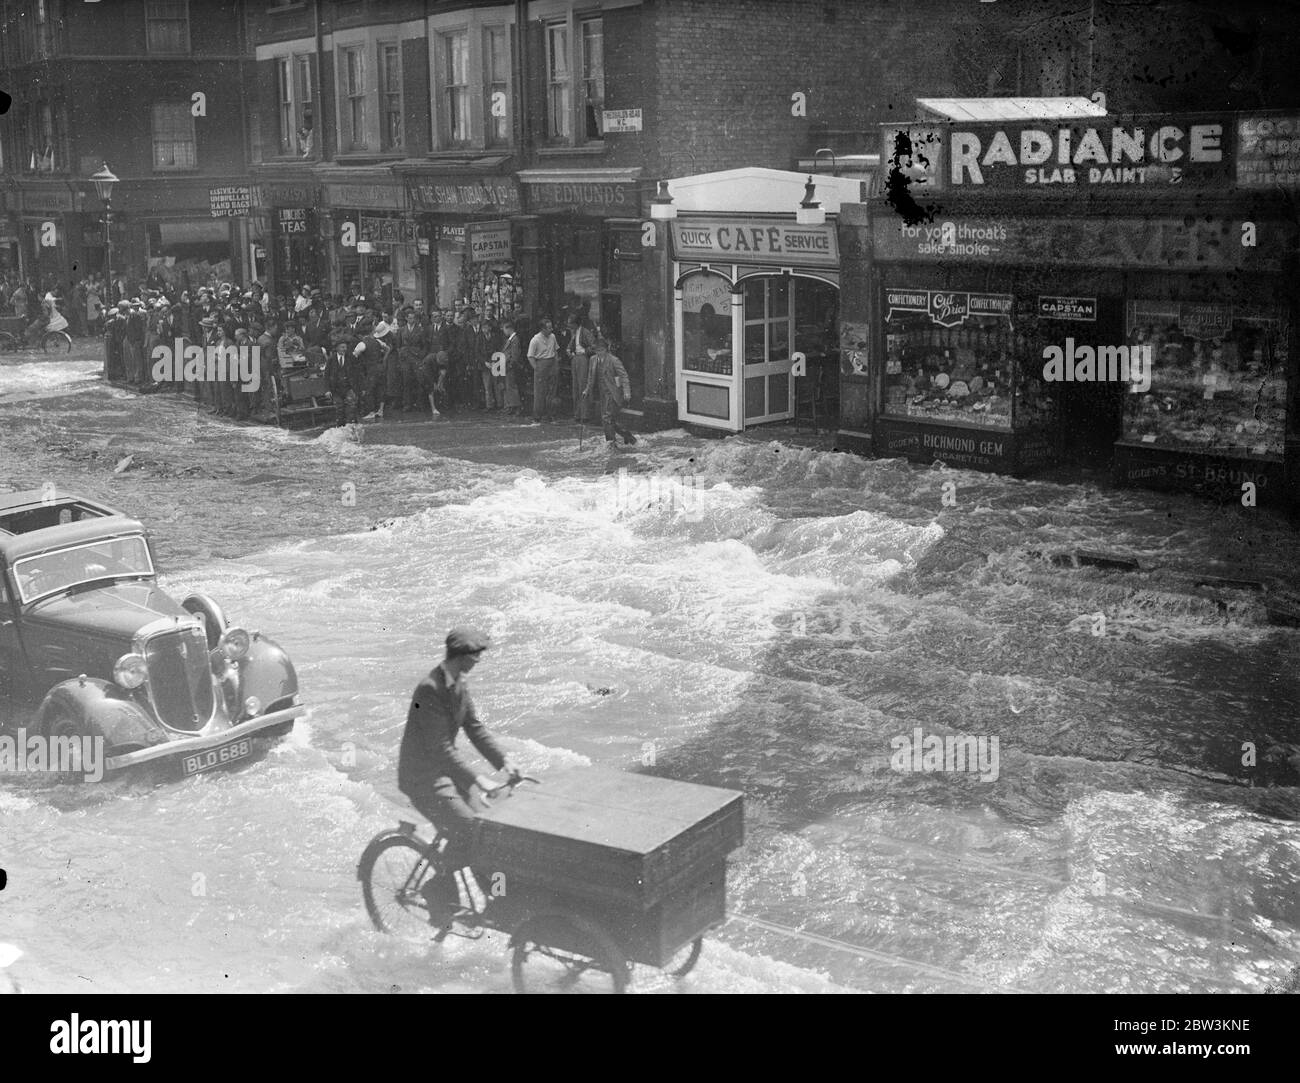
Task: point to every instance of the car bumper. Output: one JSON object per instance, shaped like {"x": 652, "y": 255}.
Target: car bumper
{"x": 254, "y": 727}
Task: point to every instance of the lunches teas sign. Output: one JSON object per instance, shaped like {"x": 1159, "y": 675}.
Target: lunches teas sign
{"x": 721, "y": 240}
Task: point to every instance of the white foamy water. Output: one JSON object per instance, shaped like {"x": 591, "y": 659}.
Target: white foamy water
{"x": 774, "y": 636}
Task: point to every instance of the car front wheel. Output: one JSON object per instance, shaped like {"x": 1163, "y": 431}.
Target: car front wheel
{"x": 67, "y": 758}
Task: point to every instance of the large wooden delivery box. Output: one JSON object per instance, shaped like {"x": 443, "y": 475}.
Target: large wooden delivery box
{"x": 632, "y": 841}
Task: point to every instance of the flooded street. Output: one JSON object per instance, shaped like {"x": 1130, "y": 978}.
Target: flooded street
{"x": 766, "y": 617}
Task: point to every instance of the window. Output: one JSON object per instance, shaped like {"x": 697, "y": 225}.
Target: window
{"x": 559, "y": 101}
{"x": 496, "y": 62}
{"x": 306, "y": 118}
{"x": 44, "y": 30}
{"x": 173, "y": 137}
{"x": 167, "y": 26}
{"x": 593, "y": 75}
{"x": 353, "y": 65}
{"x": 285, "y": 94}
{"x": 390, "y": 100}
{"x": 46, "y": 129}
{"x": 293, "y": 97}
{"x": 455, "y": 67}
{"x": 575, "y": 105}
{"x": 470, "y": 83}
{"x": 768, "y": 317}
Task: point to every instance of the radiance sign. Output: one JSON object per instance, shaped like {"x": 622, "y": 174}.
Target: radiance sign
{"x": 720, "y": 240}
{"x": 947, "y": 308}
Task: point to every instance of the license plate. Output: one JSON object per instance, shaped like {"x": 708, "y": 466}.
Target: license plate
{"x": 216, "y": 757}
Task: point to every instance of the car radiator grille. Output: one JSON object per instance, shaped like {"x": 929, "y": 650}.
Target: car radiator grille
{"x": 180, "y": 680}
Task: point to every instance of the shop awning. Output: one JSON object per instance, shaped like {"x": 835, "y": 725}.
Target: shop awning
{"x": 1007, "y": 109}
{"x": 754, "y": 190}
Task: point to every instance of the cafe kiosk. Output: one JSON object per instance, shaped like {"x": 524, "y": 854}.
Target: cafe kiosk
{"x": 755, "y": 284}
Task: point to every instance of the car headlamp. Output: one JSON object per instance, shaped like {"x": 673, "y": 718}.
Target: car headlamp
{"x": 131, "y": 670}
{"x": 235, "y": 642}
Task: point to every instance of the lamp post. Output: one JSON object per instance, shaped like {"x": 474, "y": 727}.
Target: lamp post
{"x": 810, "y": 212}
{"x": 103, "y": 182}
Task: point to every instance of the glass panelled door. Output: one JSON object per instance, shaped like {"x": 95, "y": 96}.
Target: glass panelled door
{"x": 769, "y": 330}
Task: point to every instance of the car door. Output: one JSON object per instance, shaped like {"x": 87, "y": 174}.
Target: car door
{"x": 13, "y": 666}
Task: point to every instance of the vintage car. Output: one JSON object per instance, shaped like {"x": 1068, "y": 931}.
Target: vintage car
{"x": 89, "y": 639}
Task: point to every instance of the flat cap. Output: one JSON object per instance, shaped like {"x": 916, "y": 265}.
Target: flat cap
{"x": 466, "y": 641}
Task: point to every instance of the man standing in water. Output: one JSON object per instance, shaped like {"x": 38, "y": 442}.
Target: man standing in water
{"x": 430, "y": 772}
{"x": 608, "y": 378}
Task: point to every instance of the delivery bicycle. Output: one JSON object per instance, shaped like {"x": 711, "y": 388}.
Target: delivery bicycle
{"x": 567, "y": 933}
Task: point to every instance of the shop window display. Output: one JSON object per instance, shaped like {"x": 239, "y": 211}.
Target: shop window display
{"x": 965, "y": 373}
{"x": 706, "y": 324}
{"x": 1217, "y": 378}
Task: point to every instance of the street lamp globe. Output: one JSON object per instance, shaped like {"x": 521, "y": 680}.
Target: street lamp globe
{"x": 103, "y": 182}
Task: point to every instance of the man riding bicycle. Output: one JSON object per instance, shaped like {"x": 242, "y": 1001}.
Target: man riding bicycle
{"x": 430, "y": 772}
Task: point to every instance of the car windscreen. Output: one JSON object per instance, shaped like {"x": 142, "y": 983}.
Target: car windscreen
{"x": 53, "y": 572}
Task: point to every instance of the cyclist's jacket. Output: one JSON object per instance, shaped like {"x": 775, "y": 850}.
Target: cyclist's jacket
{"x": 439, "y": 710}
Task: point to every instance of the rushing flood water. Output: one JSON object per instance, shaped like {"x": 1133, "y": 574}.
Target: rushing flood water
{"x": 772, "y": 629}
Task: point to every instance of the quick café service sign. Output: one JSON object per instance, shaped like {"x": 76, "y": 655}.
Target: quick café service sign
{"x": 755, "y": 240}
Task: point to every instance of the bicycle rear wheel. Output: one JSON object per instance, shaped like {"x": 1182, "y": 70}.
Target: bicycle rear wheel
{"x": 395, "y": 872}
{"x": 56, "y": 341}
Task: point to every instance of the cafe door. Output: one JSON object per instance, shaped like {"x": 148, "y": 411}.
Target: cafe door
{"x": 768, "y": 316}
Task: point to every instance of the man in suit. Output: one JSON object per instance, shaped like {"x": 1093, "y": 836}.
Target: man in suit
{"x": 345, "y": 376}
{"x": 608, "y": 379}
{"x": 436, "y": 778}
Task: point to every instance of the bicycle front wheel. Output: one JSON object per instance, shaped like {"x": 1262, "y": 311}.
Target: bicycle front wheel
{"x": 395, "y": 873}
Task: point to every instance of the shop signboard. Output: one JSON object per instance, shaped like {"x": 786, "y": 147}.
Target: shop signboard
{"x": 464, "y": 195}
{"x": 292, "y": 220}
{"x": 947, "y": 308}
{"x": 452, "y": 235}
{"x": 743, "y": 240}
{"x": 614, "y": 121}
{"x": 1099, "y": 241}
{"x": 365, "y": 196}
{"x": 1077, "y": 309}
{"x": 389, "y": 231}
{"x": 1122, "y": 152}
{"x": 598, "y": 198}
{"x": 951, "y": 444}
{"x": 489, "y": 242}
{"x": 1220, "y": 477}
{"x": 46, "y": 201}
{"x": 285, "y": 195}
{"x": 231, "y": 201}
{"x": 1268, "y": 151}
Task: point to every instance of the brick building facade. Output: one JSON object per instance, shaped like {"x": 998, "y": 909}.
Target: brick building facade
{"x": 159, "y": 92}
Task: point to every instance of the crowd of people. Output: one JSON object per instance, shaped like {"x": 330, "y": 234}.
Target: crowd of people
{"x": 378, "y": 357}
